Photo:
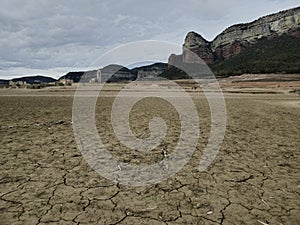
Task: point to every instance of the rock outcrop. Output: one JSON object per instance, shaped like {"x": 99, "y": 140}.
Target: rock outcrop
{"x": 236, "y": 38}
{"x": 197, "y": 44}
{"x": 174, "y": 59}
{"x": 272, "y": 25}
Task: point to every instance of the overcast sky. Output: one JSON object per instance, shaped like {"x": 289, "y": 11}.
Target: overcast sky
{"x": 52, "y": 37}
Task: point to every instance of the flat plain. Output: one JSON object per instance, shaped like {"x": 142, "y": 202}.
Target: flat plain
{"x": 255, "y": 178}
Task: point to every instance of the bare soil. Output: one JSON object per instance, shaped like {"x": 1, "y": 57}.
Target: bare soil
{"x": 255, "y": 178}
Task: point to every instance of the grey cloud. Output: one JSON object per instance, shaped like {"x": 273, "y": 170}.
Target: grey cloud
{"x": 47, "y": 34}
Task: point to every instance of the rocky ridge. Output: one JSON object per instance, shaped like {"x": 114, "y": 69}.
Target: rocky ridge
{"x": 236, "y": 38}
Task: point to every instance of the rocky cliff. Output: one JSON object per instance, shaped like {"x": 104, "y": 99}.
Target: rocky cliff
{"x": 197, "y": 44}
{"x": 237, "y": 38}
{"x": 272, "y": 25}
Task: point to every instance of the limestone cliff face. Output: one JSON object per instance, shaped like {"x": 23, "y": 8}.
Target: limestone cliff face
{"x": 174, "y": 60}
{"x": 275, "y": 24}
{"x": 235, "y": 39}
{"x": 197, "y": 44}
{"x": 226, "y": 43}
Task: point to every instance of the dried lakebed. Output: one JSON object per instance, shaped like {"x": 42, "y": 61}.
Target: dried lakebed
{"x": 255, "y": 178}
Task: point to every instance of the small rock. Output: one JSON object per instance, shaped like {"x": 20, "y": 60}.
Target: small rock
{"x": 60, "y": 122}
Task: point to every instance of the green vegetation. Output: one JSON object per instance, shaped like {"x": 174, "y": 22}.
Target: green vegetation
{"x": 187, "y": 71}
{"x": 276, "y": 55}
{"x": 279, "y": 55}
{"x": 174, "y": 73}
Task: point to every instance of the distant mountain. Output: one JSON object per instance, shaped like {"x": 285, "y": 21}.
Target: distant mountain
{"x": 35, "y": 79}
{"x": 118, "y": 73}
{"x": 75, "y": 76}
{"x": 281, "y": 54}
{"x": 4, "y": 82}
{"x": 267, "y": 45}
{"x": 150, "y": 71}
{"x": 109, "y": 73}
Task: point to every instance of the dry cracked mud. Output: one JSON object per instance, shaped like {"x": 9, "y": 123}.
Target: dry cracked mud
{"x": 255, "y": 178}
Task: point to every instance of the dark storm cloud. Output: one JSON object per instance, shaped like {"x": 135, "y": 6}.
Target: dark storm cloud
{"x": 53, "y": 34}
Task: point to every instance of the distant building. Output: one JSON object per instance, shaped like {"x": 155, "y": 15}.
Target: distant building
{"x": 99, "y": 76}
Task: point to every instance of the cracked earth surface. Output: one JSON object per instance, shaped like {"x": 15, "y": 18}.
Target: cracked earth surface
{"x": 255, "y": 178}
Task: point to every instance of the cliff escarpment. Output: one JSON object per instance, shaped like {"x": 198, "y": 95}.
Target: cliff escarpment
{"x": 238, "y": 39}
